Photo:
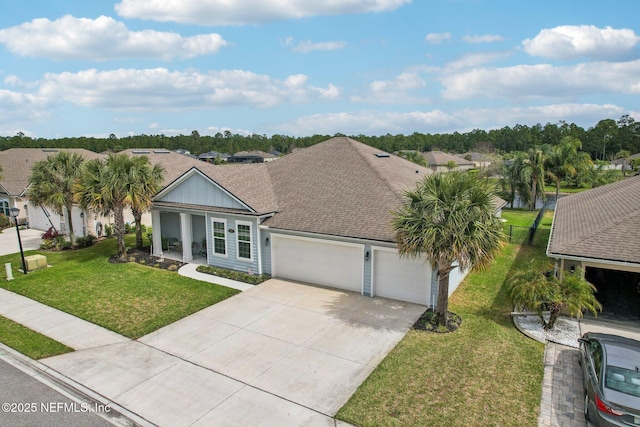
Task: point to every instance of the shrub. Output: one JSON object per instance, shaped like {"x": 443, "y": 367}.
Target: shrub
{"x": 252, "y": 279}
{"x": 48, "y": 244}
{"x": 50, "y": 234}
{"x": 5, "y": 221}
{"x": 128, "y": 229}
{"x": 108, "y": 230}
{"x": 85, "y": 242}
{"x": 65, "y": 245}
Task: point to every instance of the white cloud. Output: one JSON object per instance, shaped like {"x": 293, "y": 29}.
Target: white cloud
{"x": 161, "y": 89}
{"x": 568, "y": 42}
{"x": 476, "y": 59}
{"x": 487, "y": 38}
{"x": 437, "y": 38}
{"x": 402, "y": 89}
{"x": 307, "y": 46}
{"x": 544, "y": 81}
{"x": 102, "y": 38}
{"x": 240, "y": 12}
{"x": 18, "y": 107}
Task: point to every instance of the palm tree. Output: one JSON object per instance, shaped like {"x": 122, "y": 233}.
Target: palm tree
{"x": 449, "y": 218}
{"x": 566, "y": 162}
{"x": 52, "y": 183}
{"x": 535, "y": 290}
{"x": 535, "y": 164}
{"x": 515, "y": 179}
{"x": 114, "y": 184}
{"x": 145, "y": 181}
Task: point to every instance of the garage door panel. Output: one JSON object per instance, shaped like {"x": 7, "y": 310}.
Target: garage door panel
{"x": 318, "y": 261}
{"x": 400, "y": 278}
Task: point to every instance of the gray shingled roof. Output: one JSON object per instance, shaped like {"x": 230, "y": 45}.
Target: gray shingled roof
{"x": 602, "y": 223}
{"x": 439, "y": 158}
{"x": 340, "y": 187}
{"x": 17, "y": 163}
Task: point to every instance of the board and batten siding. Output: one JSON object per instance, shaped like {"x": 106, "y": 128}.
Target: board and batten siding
{"x": 231, "y": 260}
{"x": 198, "y": 190}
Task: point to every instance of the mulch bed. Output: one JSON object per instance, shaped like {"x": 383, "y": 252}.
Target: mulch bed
{"x": 427, "y": 322}
{"x": 143, "y": 256}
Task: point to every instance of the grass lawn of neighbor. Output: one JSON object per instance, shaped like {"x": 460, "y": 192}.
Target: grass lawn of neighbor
{"x": 28, "y": 342}
{"x": 128, "y": 298}
{"x": 485, "y": 373}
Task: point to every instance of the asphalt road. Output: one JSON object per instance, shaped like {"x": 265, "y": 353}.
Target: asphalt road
{"x": 25, "y": 401}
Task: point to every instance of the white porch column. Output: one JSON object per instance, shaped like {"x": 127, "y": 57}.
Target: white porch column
{"x": 185, "y": 236}
{"x": 157, "y": 232}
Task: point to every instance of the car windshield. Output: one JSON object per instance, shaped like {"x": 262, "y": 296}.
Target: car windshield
{"x": 623, "y": 380}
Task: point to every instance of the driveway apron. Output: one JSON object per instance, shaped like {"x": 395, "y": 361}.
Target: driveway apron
{"x": 281, "y": 353}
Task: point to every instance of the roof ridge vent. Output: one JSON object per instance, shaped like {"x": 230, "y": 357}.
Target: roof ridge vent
{"x": 161, "y": 151}
{"x": 140, "y": 151}
{"x": 382, "y": 154}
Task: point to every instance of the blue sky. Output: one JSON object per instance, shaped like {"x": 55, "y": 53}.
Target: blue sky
{"x": 301, "y": 67}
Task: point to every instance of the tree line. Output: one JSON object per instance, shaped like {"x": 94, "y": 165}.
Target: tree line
{"x": 601, "y": 141}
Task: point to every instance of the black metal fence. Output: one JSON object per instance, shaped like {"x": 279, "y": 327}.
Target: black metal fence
{"x": 532, "y": 235}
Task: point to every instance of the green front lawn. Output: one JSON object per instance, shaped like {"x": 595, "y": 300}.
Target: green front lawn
{"x": 130, "y": 299}
{"x": 519, "y": 217}
{"x": 485, "y": 373}
{"x": 28, "y": 342}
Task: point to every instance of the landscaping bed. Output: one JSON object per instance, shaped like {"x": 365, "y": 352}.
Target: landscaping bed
{"x": 252, "y": 279}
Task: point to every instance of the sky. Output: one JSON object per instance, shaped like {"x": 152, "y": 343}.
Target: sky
{"x": 73, "y": 68}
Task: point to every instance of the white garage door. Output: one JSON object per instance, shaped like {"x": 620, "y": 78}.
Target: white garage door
{"x": 403, "y": 279}
{"x": 323, "y": 262}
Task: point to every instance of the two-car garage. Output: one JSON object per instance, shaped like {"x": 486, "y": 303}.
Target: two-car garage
{"x": 346, "y": 265}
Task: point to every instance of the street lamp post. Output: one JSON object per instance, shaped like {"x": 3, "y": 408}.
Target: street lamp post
{"x": 14, "y": 214}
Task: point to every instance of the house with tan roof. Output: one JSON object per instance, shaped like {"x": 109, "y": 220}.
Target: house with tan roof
{"x": 320, "y": 215}
{"x": 439, "y": 161}
{"x": 598, "y": 231}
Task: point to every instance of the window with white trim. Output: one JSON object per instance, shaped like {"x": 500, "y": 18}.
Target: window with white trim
{"x": 219, "y": 233}
{"x": 4, "y": 207}
{"x": 243, "y": 231}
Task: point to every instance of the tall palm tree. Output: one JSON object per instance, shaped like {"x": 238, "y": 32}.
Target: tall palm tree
{"x": 565, "y": 161}
{"x": 145, "y": 181}
{"x": 52, "y": 183}
{"x": 515, "y": 179}
{"x": 114, "y": 184}
{"x": 449, "y": 218}
{"x": 535, "y": 164}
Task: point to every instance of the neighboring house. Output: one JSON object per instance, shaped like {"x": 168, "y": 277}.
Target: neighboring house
{"x": 16, "y": 169}
{"x": 320, "y": 215}
{"x": 438, "y": 161}
{"x": 598, "y": 231}
{"x": 211, "y": 156}
{"x": 255, "y": 156}
{"x": 625, "y": 164}
{"x": 480, "y": 160}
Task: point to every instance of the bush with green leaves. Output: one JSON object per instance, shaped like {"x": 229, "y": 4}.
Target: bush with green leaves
{"x": 86, "y": 241}
{"x": 108, "y": 230}
{"x": 5, "y": 221}
{"x": 539, "y": 290}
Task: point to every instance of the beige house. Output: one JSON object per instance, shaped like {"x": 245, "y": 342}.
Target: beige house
{"x": 439, "y": 161}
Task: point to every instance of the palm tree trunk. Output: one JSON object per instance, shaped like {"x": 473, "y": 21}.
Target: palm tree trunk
{"x": 71, "y": 236}
{"x": 442, "y": 307}
{"x": 137, "y": 216}
{"x": 118, "y": 226}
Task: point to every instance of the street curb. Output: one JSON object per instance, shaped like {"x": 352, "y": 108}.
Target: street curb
{"x": 117, "y": 414}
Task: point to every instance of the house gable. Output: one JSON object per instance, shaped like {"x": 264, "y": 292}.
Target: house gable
{"x": 195, "y": 188}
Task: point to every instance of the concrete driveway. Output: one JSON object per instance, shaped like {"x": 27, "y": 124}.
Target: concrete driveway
{"x": 30, "y": 238}
{"x": 281, "y": 353}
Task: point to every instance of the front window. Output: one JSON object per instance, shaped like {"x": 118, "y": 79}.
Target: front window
{"x": 4, "y": 207}
{"x": 244, "y": 241}
{"x": 219, "y": 237}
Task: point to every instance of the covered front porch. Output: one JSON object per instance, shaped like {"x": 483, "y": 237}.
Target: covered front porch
{"x": 181, "y": 236}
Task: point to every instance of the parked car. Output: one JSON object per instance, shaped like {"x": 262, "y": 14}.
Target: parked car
{"x": 611, "y": 368}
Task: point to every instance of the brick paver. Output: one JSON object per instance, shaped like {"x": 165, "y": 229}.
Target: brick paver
{"x": 562, "y": 397}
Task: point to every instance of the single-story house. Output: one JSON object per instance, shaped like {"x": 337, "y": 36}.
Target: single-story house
{"x": 211, "y": 156}
{"x": 438, "y": 161}
{"x": 598, "y": 231}
{"x": 255, "y": 156}
{"x": 16, "y": 169}
{"x": 319, "y": 215}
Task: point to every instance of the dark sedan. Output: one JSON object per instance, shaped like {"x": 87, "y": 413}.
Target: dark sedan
{"x": 611, "y": 368}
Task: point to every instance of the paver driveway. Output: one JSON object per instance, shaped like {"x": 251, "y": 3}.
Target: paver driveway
{"x": 281, "y": 353}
